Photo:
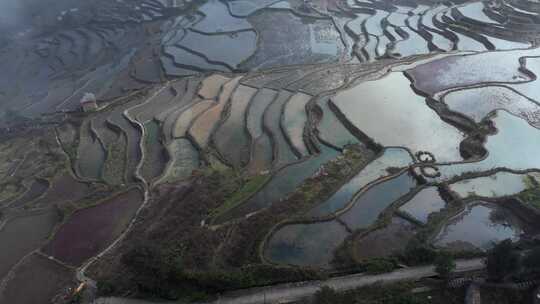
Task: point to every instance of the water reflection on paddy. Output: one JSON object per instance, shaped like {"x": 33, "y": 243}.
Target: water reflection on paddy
{"x": 515, "y": 146}
{"x": 306, "y": 244}
{"x": 391, "y": 158}
{"x": 370, "y": 204}
{"x": 330, "y": 130}
{"x": 217, "y": 19}
{"x": 479, "y": 227}
{"x": 496, "y": 185}
{"x": 475, "y": 11}
{"x": 398, "y": 117}
{"x": 228, "y": 49}
{"x": 424, "y": 203}
{"x": 463, "y": 70}
{"x": 244, "y": 8}
{"x": 477, "y": 103}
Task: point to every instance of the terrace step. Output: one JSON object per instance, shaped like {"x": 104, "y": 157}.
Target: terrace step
{"x": 90, "y": 154}
{"x": 187, "y": 100}
{"x": 202, "y": 128}
{"x": 231, "y": 137}
{"x": 283, "y": 153}
{"x": 261, "y": 145}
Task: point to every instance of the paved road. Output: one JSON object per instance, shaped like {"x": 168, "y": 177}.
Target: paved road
{"x": 289, "y": 292}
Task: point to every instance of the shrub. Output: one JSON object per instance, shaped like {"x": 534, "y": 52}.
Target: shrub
{"x": 105, "y": 288}
{"x": 326, "y": 295}
{"x": 379, "y": 266}
{"x": 417, "y": 253}
{"x": 532, "y": 259}
{"x": 444, "y": 265}
{"x": 502, "y": 260}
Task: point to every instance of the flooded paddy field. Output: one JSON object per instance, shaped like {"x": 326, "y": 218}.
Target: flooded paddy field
{"x": 479, "y": 227}
{"x": 377, "y": 169}
{"x": 424, "y": 203}
{"x": 231, "y": 138}
{"x": 234, "y": 135}
{"x": 367, "y": 208}
{"x": 388, "y": 241}
{"x": 367, "y": 108}
{"x": 306, "y": 244}
{"x": 500, "y": 184}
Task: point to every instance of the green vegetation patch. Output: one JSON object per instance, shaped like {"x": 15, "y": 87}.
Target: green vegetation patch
{"x": 164, "y": 273}
{"x": 191, "y": 262}
{"x": 113, "y": 169}
{"x": 251, "y": 186}
{"x": 531, "y": 196}
{"x": 68, "y": 135}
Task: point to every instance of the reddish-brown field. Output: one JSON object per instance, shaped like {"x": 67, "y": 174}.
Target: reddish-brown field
{"x": 64, "y": 188}
{"x": 90, "y": 230}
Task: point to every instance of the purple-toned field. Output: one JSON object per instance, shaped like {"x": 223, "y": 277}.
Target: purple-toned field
{"x": 64, "y": 188}
{"x": 90, "y": 230}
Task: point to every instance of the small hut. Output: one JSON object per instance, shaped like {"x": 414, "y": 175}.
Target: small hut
{"x": 88, "y": 102}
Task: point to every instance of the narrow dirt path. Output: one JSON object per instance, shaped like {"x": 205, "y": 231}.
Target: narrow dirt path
{"x": 81, "y": 277}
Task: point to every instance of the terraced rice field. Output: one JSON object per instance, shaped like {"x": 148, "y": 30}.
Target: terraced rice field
{"x": 479, "y": 226}
{"x": 231, "y": 138}
{"x": 155, "y": 155}
{"x": 441, "y": 99}
{"x": 385, "y": 242}
{"x": 423, "y": 204}
{"x": 90, "y": 155}
{"x": 306, "y": 244}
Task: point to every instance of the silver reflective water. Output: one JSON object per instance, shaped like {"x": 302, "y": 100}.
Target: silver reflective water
{"x": 391, "y": 158}
{"x": 515, "y": 146}
{"x": 496, "y": 185}
{"x": 388, "y": 111}
{"x": 424, "y": 203}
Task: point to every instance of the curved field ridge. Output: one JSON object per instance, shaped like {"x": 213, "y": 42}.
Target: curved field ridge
{"x": 466, "y": 70}
{"x": 377, "y": 169}
{"x": 513, "y": 132}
